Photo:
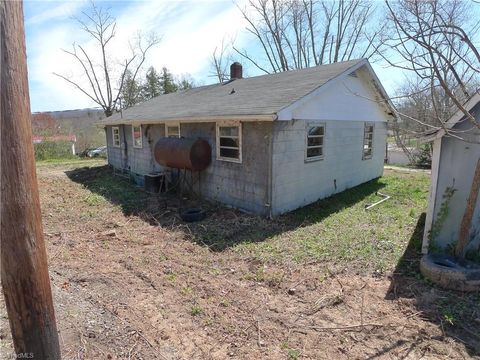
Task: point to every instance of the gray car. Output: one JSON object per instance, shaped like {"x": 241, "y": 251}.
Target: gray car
{"x": 98, "y": 152}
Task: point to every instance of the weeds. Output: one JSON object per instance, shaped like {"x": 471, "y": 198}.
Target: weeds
{"x": 93, "y": 199}
{"x": 196, "y": 310}
{"x": 292, "y": 354}
{"x": 186, "y": 291}
{"x": 171, "y": 277}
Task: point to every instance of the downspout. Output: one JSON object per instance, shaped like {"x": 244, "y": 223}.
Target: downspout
{"x": 270, "y": 174}
{"x": 125, "y": 149}
{"x": 106, "y": 142}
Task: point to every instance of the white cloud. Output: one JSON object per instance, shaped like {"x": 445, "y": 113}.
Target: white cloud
{"x": 190, "y": 31}
{"x": 54, "y": 11}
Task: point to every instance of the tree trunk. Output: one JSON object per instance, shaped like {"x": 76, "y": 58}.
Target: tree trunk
{"x": 108, "y": 112}
{"x": 24, "y": 272}
{"x": 466, "y": 224}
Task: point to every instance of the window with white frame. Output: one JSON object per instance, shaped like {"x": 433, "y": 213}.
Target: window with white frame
{"x": 315, "y": 142}
{"x": 229, "y": 142}
{"x": 137, "y": 136}
{"x": 116, "y": 136}
{"x": 172, "y": 130}
{"x": 368, "y": 140}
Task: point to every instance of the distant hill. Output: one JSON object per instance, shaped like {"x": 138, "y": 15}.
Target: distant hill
{"x": 81, "y": 122}
{"x": 82, "y": 114}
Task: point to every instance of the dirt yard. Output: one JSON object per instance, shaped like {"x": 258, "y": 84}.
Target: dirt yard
{"x": 132, "y": 281}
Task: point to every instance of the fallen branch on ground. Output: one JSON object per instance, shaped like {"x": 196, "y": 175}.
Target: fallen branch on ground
{"x": 346, "y": 328}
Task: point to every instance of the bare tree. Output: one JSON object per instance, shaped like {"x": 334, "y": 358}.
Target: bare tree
{"x": 433, "y": 41}
{"x": 295, "y": 34}
{"x": 219, "y": 62}
{"x": 420, "y": 116}
{"x": 105, "y": 80}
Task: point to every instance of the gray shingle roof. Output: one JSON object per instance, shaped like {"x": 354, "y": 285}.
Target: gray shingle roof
{"x": 259, "y": 95}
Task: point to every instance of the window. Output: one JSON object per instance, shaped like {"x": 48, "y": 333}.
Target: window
{"x": 315, "y": 142}
{"x": 116, "y": 136}
{"x": 229, "y": 143}
{"x": 368, "y": 141}
{"x": 172, "y": 130}
{"x": 137, "y": 136}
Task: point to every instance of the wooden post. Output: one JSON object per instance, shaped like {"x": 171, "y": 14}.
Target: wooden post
{"x": 465, "y": 226}
{"x": 24, "y": 272}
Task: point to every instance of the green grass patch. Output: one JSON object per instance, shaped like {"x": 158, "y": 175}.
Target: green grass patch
{"x": 105, "y": 186}
{"x": 339, "y": 229}
{"x": 71, "y": 161}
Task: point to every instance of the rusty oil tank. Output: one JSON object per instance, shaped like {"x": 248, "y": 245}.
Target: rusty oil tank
{"x": 180, "y": 153}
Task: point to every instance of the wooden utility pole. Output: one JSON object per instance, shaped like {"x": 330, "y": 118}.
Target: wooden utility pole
{"x": 24, "y": 272}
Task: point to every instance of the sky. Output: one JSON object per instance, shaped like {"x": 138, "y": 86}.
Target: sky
{"x": 190, "y": 30}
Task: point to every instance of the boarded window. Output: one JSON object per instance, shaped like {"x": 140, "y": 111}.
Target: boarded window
{"x": 116, "y": 136}
{"x": 315, "y": 142}
{"x": 368, "y": 141}
{"x": 229, "y": 143}
{"x": 137, "y": 136}
{"x": 172, "y": 131}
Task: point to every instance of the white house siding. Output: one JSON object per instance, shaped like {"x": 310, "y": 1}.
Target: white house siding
{"x": 349, "y": 98}
{"x": 297, "y": 183}
{"x": 343, "y": 107}
{"x": 456, "y": 169}
{"x": 244, "y": 185}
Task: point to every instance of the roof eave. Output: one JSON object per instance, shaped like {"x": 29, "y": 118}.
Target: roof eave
{"x": 190, "y": 119}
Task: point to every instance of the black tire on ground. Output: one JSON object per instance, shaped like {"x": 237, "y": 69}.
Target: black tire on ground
{"x": 192, "y": 214}
{"x": 450, "y": 273}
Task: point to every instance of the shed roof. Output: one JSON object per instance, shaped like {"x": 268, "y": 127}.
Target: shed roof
{"x": 468, "y": 106}
{"x": 454, "y": 120}
{"x": 252, "y": 96}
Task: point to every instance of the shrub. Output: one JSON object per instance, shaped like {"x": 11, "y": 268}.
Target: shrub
{"x": 423, "y": 156}
{"x": 53, "y": 150}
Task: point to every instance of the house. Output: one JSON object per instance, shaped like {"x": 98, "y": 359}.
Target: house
{"x": 453, "y": 166}
{"x": 278, "y": 141}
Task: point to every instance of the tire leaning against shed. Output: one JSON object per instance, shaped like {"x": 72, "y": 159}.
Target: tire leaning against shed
{"x": 450, "y": 273}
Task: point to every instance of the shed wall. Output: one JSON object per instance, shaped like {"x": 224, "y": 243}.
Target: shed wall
{"x": 456, "y": 169}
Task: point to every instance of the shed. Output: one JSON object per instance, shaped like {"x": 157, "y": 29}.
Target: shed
{"x": 278, "y": 141}
{"x": 453, "y": 166}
